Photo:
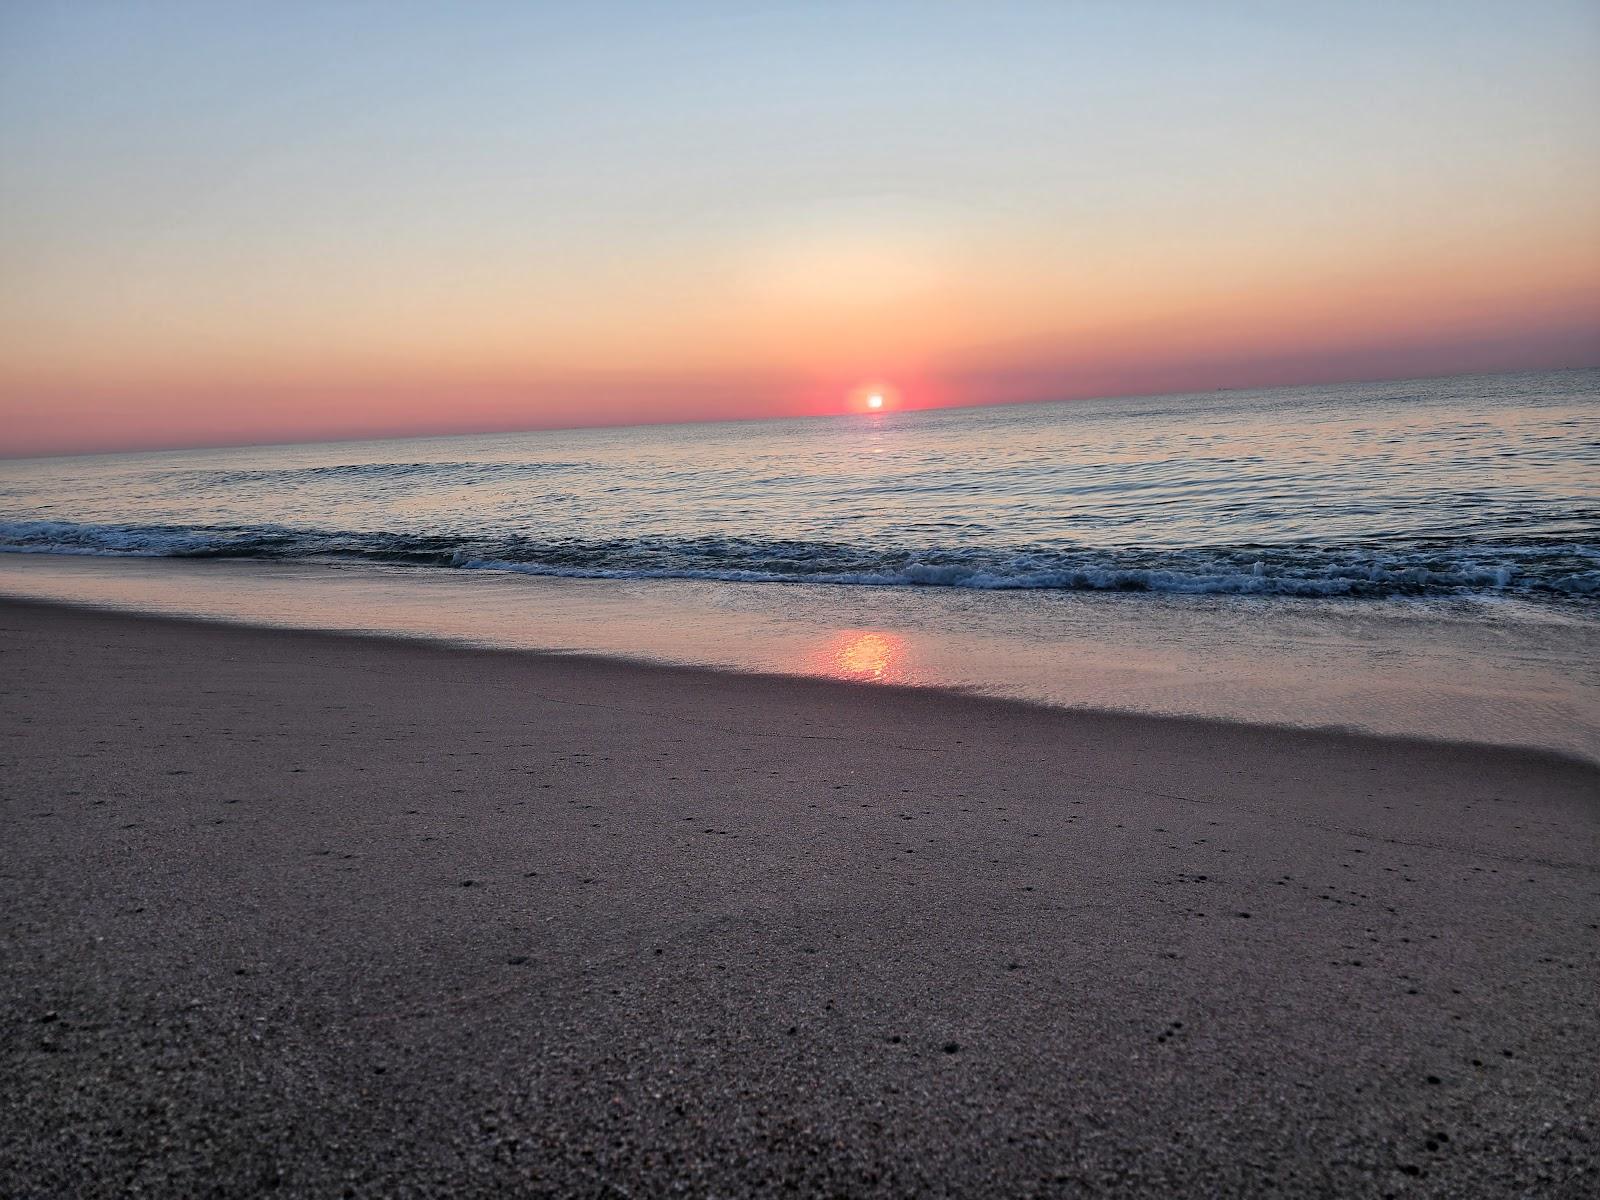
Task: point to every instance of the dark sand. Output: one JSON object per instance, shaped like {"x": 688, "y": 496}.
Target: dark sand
{"x": 339, "y": 916}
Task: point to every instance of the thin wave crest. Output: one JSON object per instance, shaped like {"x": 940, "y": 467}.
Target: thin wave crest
{"x": 453, "y": 474}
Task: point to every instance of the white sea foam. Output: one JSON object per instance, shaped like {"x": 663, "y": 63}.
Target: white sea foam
{"x": 1307, "y": 570}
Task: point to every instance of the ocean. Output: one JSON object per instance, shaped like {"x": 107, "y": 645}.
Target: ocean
{"x": 1418, "y": 557}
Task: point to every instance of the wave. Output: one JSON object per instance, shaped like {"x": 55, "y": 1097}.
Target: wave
{"x": 1439, "y": 567}
{"x": 451, "y": 473}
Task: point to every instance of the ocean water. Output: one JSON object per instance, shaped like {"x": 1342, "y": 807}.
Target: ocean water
{"x": 1485, "y": 485}
{"x": 1109, "y": 553}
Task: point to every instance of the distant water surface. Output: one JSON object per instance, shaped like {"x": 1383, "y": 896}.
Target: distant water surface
{"x": 1486, "y": 484}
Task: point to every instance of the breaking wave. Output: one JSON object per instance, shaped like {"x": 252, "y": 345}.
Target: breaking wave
{"x": 1440, "y": 567}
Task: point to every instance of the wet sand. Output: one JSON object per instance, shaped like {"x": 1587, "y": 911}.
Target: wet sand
{"x": 335, "y": 916}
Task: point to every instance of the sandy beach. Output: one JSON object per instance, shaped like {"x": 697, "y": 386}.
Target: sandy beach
{"x": 332, "y": 915}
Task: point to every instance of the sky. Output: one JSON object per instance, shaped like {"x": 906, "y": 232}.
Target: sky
{"x": 229, "y": 223}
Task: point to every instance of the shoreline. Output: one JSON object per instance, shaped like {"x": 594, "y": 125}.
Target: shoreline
{"x": 625, "y": 662}
{"x": 319, "y": 912}
{"x": 1411, "y": 674}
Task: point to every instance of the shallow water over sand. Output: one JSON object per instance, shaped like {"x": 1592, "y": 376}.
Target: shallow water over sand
{"x": 1500, "y": 671}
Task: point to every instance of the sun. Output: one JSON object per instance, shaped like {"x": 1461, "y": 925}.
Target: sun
{"x": 876, "y": 397}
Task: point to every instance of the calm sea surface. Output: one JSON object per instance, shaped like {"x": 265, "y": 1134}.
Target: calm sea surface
{"x": 1080, "y": 552}
{"x": 1442, "y": 487}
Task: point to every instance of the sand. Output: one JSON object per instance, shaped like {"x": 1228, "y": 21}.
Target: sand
{"x": 332, "y": 915}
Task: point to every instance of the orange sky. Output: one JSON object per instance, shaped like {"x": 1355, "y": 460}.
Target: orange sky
{"x": 235, "y": 236}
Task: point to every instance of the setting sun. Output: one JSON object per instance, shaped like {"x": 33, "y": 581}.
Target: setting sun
{"x": 874, "y": 397}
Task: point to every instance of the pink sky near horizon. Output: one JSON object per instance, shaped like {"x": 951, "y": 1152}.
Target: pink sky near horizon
{"x": 78, "y": 416}
{"x": 51, "y": 419}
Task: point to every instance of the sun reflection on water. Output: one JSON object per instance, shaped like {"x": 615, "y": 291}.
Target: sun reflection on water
{"x": 863, "y": 655}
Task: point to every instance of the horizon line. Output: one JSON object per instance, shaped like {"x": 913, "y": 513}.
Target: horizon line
{"x": 357, "y": 439}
